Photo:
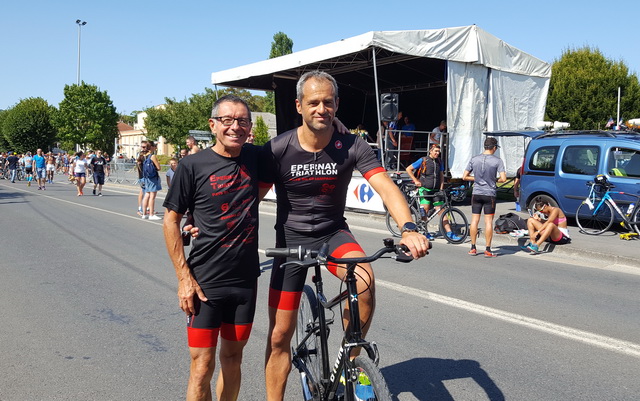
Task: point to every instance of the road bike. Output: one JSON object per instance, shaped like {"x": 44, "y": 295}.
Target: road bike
{"x": 359, "y": 378}
{"x": 448, "y": 214}
{"x": 595, "y": 214}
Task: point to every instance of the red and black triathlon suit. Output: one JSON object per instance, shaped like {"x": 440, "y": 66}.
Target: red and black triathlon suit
{"x": 311, "y": 191}
{"x": 222, "y": 195}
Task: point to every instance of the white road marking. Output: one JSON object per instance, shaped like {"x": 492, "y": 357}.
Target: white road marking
{"x": 608, "y": 343}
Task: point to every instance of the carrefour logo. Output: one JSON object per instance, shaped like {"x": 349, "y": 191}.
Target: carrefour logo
{"x": 363, "y": 193}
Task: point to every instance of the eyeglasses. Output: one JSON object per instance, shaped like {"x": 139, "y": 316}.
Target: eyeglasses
{"x": 228, "y": 121}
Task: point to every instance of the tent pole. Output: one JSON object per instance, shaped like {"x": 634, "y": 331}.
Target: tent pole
{"x": 375, "y": 81}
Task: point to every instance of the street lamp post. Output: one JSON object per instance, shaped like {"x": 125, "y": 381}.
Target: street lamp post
{"x": 80, "y": 25}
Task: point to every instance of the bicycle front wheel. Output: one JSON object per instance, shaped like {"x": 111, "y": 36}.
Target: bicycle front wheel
{"x": 594, "y": 221}
{"x": 393, "y": 228}
{"x": 308, "y": 344}
{"x": 369, "y": 384}
{"x": 459, "y": 225}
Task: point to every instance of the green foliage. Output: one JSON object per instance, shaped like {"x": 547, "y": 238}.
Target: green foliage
{"x": 27, "y": 126}
{"x": 280, "y": 46}
{"x": 584, "y": 88}
{"x": 87, "y": 117}
{"x": 129, "y": 118}
{"x": 4, "y": 144}
{"x": 260, "y": 132}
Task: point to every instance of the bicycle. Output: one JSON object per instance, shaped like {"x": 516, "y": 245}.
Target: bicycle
{"x": 310, "y": 354}
{"x": 448, "y": 213}
{"x": 459, "y": 193}
{"x": 595, "y": 214}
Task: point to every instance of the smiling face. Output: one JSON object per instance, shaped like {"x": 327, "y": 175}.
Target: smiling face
{"x": 318, "y": 105}
{"x": 229, "y": 139}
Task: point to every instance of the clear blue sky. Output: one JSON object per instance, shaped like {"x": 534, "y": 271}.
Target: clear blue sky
{"x": 142, "y": 51}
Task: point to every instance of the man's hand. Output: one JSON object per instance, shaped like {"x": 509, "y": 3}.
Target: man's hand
{"x": 187, "y": 289}
{"x": 340, "y": 127}
{"x": 417, "y": 243}
{"x": 188, "y": 226}
{"x": 417, "y": 183}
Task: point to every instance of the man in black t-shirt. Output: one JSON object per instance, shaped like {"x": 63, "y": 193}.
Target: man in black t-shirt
{"x": 217, "y": 282}
{"x": 12, "y": 164}
{"x": 98, "y": 166}
{"x": 311, "y": 167}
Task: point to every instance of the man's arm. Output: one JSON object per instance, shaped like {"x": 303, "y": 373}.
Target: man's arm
{"x": 187, "y": 285}
{"x": 503, "y": 177}
{"x": 466, "y": 176}
{"x": 396, "y": 203}
{"x": 409, "y": 171}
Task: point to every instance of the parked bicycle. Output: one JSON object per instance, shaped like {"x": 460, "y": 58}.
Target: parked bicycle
{"x": 448, "y": 215}
{"x": 595, "y": 214}
{"x": 321, "y": 381}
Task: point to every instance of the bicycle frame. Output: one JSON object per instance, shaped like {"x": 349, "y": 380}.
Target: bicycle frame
{"x": 592, "y": 198}
{"x": 352, "y": 337}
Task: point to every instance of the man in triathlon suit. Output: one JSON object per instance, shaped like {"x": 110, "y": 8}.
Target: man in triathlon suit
{"x": 217, "y": 282}
{"x": 485, "y": 168}
{"x": 311, "y": 167}
{"x": 40, "y": 165}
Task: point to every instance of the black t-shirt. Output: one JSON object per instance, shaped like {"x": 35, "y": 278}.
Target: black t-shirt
{"x": 97, "y": 164}
{"x": 222, "y": 195}
{"x": 311, "y": 187}
{"x": 13, "y": 162}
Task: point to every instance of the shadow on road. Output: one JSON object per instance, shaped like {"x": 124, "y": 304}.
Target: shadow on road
{"x": 425, "y": 378}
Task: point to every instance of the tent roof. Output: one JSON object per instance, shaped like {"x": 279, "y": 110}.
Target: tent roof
{"x": 403, "y": 49}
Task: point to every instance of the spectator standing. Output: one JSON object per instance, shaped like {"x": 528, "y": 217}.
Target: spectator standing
{"x": 41, "y": 169}
{"x": 173, "y": 164}
{"x": 408, "y": 127}
{"x": 436, "y": 133}
{"x": 51, "y": 167}
{"x": 139, "y": 161}
{"x": 98, "y": 166}
{"x": 192, "y": 144}
{"x": 184, "y": 153}
{"x": 485, "y": 168}
{"x": 152, "y": 184}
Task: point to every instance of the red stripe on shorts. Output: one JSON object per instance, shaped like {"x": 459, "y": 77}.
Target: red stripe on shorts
{"x": 235, "y": 332}
{"x": 284, "y": 300}
{"x": 340, "y": 252}
{"x": 202, "y": 338}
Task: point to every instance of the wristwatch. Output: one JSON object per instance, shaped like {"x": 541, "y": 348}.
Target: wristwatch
{"x": 409, "y": 227}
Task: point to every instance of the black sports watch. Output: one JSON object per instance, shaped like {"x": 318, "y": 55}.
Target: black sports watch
{"x": 409, "y": 227}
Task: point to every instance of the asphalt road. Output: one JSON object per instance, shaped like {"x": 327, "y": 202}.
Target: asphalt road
{"x": 89, "y": 312}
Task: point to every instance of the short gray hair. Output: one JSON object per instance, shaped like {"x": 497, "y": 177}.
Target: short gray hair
{"x": 319, "y": 75}
{"x": 229, "y": 98}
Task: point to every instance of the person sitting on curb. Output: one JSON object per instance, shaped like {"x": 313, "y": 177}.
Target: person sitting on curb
{"x": 547, "y": 223}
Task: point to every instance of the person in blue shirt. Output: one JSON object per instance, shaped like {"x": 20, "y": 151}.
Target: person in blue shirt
{"x": 41, "y": 169}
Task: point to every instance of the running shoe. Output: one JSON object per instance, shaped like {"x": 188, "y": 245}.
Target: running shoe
{"x": 430, "y": 236}
{"x": 155, "y": 217}
{"x": 473, "y": 252}
{"x": 145, "y": 216}
{"x": 29, "y": 184}
{"x": 525, "y": 247}
{"x": 489, "y": 254}
{"x": 94, "y": 191}
{"x": 533, "y": 248}
{"x": 139, "y": 211}
{"x": 99, "y": 193}
{"x": 453, "y": 237}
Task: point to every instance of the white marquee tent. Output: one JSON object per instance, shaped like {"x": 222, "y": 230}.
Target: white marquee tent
{"x": 478, "y": 81}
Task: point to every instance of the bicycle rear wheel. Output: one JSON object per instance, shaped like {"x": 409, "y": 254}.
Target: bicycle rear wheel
{"x": 393, "y": 228}
{"x": 459, "y": 225}
{"x": 592, "y": 221}
{"x": 635, "y": 220}
{"x": 369, "y": 384}
{"x": 308, "y": 351}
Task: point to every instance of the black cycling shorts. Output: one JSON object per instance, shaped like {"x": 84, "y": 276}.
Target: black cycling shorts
{"x": 287, "y": 284}
{"x": 480, "y": 203}
{"x": 229, "y": 312}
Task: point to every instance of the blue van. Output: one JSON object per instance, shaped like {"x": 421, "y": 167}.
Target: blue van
{"x": 557, "y": 165}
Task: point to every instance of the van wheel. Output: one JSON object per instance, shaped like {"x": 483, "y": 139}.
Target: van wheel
{"x": 543, "y": 198}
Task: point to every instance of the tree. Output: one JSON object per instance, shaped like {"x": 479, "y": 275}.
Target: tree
{"x": 260, "y": 132}
{"x": 280, "y": 46}
{"x": 4, "y": 145}
{"x": 584, "y": 87}
{"x": 86, "y": 116}
{"x": 27, "y": 126}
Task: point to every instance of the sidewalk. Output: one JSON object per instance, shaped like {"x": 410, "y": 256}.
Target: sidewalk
{"x": 607, "y": 248}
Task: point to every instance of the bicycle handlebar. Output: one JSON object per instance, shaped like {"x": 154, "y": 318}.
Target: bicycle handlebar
{"x": 308, "y": 257}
